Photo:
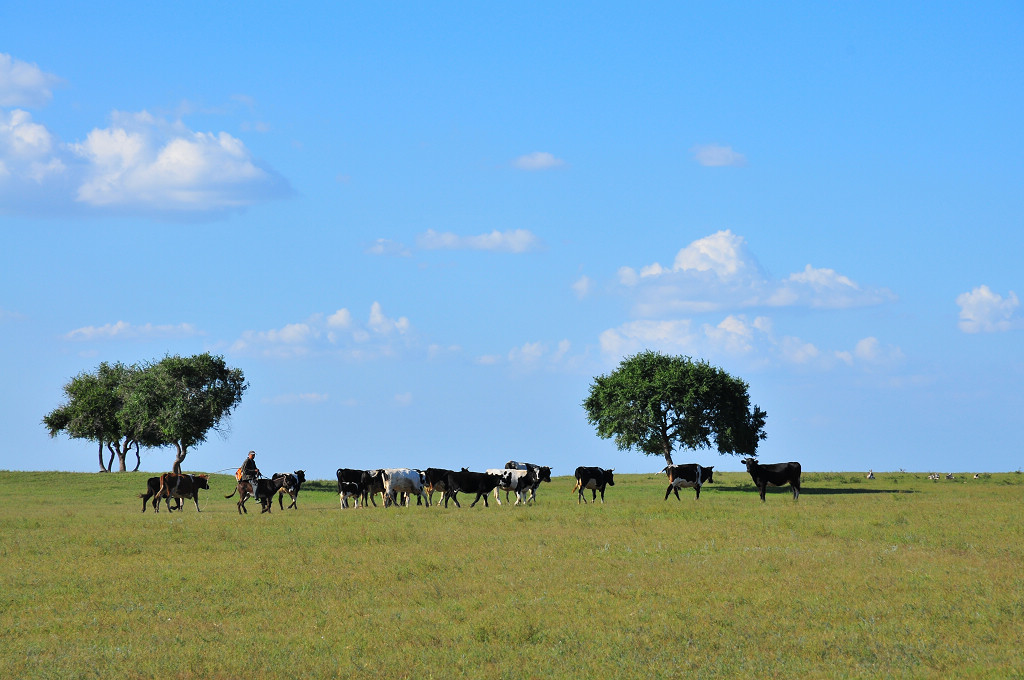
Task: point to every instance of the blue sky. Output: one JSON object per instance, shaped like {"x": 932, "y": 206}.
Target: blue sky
{"x": 421, "y": 230}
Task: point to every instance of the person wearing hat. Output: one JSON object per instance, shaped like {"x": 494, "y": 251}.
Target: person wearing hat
{"x": 249, "y": 472}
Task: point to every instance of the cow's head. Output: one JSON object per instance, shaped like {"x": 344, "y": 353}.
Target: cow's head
{"x": 300, "y": 475}
{"x": 203, "y": 481}
{"x": 544, "y": 473}
{"x": 608, "y": 477}
{"x": 751, "y": 463}
{"x": 707, "y": 474}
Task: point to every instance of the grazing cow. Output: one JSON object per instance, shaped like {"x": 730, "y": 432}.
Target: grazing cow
{"x": 402, "y": 481}
{"x": 152, "y": 487}
{"x": 179, "y": 486}
{"x": 262, "y": 490}
{"x": 293, "y": 482}
{"x": 949, "y": 475}
{"x": 479, "y": 483}
{"x": 515, "y": 481}
{"x": 436, "y": 479}
{"x": 541, "y": 472}
{"x": 688, "y": 476}
{"x": 774, "y": 474}
{"x": 871, "y": 474}
{"x": 593, "y": 478}
{"x": 934, "y": 476}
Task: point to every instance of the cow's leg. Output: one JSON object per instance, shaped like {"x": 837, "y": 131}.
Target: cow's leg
{"x": 195, "y": 497}
{"x": 602, "y": 495}
{"x": 763, "y": 487}
{"x": 697, "y": 489}
{"x": 796, "y": 491}
{"x": 497, "y": 496}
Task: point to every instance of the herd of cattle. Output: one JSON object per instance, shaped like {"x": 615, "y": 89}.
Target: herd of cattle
{"x": 398, "y": 485}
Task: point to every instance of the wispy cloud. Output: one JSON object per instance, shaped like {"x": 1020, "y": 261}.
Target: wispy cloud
{"x": 122, "y": 330}
{"x": 983, "y": 311}
{"x": 513, "y": 241}
{"x": 739, "y": 336}
{"x": 335, "y": 333}
{"x": 538, "y": 160}
{"x": 717, "y": 156}
{"x": 25, "y": 84}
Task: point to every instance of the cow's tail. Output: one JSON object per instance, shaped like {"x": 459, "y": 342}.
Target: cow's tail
{"x": 576, "y": 488}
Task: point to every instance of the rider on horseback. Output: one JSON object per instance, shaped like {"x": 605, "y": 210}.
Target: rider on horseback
{"x": 249, "y": 472}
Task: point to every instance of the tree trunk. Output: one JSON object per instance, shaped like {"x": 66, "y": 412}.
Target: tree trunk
{"x": 110, "y": 463}
{"x": 102, "y": 469}
{"x": 122, "y": 452}
{"x": 138, "y": 458}
{"x": 182, "y": 452}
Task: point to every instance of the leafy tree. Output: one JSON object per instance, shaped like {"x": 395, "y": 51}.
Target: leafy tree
{"x": 655, "y": 403}
{"x": 91, "y": 413}
{"x": 178, "y": 400}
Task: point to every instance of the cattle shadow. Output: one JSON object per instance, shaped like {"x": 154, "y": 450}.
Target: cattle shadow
{"x": 811, "y": 490}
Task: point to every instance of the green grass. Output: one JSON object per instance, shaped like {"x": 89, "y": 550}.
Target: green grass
{"x": 895, "y": 577}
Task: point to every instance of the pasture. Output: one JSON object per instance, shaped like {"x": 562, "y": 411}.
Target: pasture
{"x": 893, "y": 577}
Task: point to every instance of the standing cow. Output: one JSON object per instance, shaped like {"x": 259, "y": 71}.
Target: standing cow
{"x": 774, "y": 474}
{"x": 688, "y": 476}
{"x": 403, "y": 481}
{"x": 593, "y": 478}
{"x": 542, "y": 473}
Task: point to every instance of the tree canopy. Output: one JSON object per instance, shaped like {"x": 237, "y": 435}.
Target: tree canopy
{"x": 655, "y": 403}
{"x": 173, "y": 402}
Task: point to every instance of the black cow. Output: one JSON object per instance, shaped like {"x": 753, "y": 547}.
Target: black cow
{"x": 363, "y": 480}
{"x": 152, "y": 487}
{"x": 541, "y": 472}
{"x": 593, "y": 478}
{"x": 774, "y": 474}
{"x": 179, "y": 486}
{"x": 688, "y": 476}
{"x": 293, "y": 482}
{"x": 435, "y": 479}
{"x": 479, "y": 483}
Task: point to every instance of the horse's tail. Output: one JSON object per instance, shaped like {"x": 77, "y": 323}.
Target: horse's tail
{"x": 163, "y": 484}
{"x": 232, "y": 493}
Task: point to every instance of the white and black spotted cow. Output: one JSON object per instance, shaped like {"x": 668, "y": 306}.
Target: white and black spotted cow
{"x": 519, "y": 482}
{"x": 593, "y": 478}
{"x": 541, "y": 472}
{"x": 403, "y": 481}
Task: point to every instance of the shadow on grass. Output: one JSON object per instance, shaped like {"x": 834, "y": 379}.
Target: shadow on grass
{"x": 812, "y": 490}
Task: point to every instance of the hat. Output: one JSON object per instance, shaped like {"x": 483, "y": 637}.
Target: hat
{"x": 252, "y": 454}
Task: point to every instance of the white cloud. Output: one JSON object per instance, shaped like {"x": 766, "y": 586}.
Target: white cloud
{"x": 122, "y": 330}
{"x": 582, "y": 286}
{"x": 538, "y": 160}
{"x": 143, "y": 162}
{"x": 336, "y": 333}
{"x": 139, "y": 164}
{"x": 529, "y": 353}
{"x": 24, "y": 84}
{"x": 717, "y": 156}
{"x": 385, "y": 246}
{"x": 514, "y": 241}
{"x": 718, "y": 272}
{"x": 983, "y": 311}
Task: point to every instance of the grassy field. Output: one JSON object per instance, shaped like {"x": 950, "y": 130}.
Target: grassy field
{"x": 894, "y": 577}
